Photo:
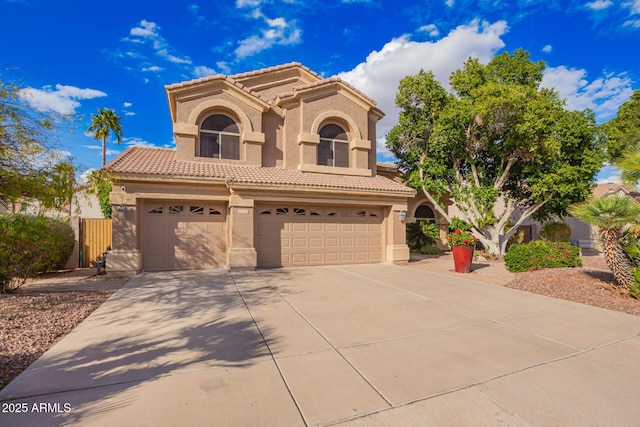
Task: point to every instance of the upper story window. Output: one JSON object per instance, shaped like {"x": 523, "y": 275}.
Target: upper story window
{"x": 219, "y": 138}
{"x": 333, "y": 149}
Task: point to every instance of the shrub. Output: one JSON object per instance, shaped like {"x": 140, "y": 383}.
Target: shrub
{"x": 556, "y": 232}
{"x": 429, "y": 250}
{"x": 31, "y": 245}
{"x": 458, "y": 224}
{"x": 422, "y": 234}
{"x": 541, "y": 254}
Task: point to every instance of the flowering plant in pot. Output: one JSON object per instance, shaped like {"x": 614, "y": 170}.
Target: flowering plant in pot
{"x": 461, "y": 237}
{"x": 462, "y": 243}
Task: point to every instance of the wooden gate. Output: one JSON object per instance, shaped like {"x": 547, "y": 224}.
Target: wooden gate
{"x": 96, "y": 236}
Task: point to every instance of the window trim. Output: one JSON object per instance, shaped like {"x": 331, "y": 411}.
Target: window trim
{"x": 219, "y": 134}
{"x": 332, "y": 142}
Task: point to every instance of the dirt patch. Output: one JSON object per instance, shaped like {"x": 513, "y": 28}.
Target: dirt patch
{"x": 43, "y": 311}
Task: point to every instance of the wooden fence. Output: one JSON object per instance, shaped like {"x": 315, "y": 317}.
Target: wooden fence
{"x": 95, "y": 237}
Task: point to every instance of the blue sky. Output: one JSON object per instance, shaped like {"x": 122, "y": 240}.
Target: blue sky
{"x": 77, "y": 56}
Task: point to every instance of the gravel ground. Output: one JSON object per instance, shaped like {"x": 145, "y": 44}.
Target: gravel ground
{"x": 593, "y": 285}
{"x": 43, "y": 311}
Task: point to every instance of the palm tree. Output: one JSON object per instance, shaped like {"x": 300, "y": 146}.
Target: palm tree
{"x": 102, "y": 124}
{"x": 613, "y": 215}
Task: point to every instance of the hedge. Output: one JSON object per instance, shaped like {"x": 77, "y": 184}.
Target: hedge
{"x": 31, "y": 245}
{"x": 541, "y": 254}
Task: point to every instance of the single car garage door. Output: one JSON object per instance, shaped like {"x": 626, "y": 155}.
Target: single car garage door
{"x": 183, "y": 235}
{"x": 288, "y": 235}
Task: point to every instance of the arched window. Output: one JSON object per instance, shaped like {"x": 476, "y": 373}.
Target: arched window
{"x": 425, "y": 212}
{"x": 219, "y": 138}
{"x": 333, "y": 149}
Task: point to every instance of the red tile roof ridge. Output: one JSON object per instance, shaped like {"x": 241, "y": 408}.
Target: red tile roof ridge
{"x": 323, "y": 82}
{"x": 272, "y": 69}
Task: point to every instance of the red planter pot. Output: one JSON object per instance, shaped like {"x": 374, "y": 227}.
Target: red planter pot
{"x": 462, "y": 258}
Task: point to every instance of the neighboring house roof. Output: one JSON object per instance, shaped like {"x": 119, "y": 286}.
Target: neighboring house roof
{"x": 162, "y": 162}
{"x": 602, "y": 190}
{"x": 387, "y": 167}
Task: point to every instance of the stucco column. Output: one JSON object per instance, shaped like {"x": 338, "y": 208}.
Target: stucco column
{"x": 124, "y": 257}
{"x": 397, "y": 249}
{"x": 241, "y": 251}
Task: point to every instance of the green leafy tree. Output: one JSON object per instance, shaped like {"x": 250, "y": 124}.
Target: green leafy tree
{"x": 500, "y": 146}
{"x": 623, "y": 131}
{"x": 30, "y": 166}
{"x": 103, "y": 124}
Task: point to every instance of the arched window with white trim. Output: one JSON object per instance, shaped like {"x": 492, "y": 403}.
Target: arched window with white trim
{"x": 333, "y": 149}
{"x": 219, "y": 138}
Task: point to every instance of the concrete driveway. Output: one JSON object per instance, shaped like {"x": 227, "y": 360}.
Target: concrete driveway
{"x": 352, "y": 345}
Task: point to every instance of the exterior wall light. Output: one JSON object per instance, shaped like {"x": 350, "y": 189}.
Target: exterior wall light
{"x": 401, "y": 215}
{"x": 121, "y": 210}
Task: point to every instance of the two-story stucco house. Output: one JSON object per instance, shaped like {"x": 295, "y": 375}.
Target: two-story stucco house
{"x": 275, "y": 167}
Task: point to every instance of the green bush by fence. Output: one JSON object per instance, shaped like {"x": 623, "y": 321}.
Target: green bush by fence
{"x": 541, "y": 254}
{"x": 31, "y": 245}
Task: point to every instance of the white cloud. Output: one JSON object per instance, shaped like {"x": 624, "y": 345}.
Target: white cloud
{"x": 609, "y": 174}
{"x": 137, "y": 142}
{"x": 145, "y": 29}
{"x": 380, "y": 74}
{"x": 450, "y": 3}
{"x": 129, "y": 113}
{"x": 62, "y": 100}
{"x": 430, "y": 29}
{"x": 224, "y": 66}
{"x": 600, "y": 4}
{"x": 127, "y": 104}
{"x": 148, "y": 33}
{"x": 603, "y": 95}
{"x": 634, "y": 6}
{"x": 247, "y": 3}
{"x": 547, "y": 49}
{"x": 279, "y": 32}
{"x": 203, "y": 71}
{"x": 153, "y": 69}
{"x": 635, "y": 23}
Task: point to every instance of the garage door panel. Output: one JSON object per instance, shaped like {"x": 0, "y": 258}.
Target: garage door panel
{"x": 298, "y": 227}
{"x": 299, "y": 242}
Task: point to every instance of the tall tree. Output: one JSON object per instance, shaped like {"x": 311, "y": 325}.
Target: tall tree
{"x": 103, "y": 125}
{"x": 498, "y": 146}
{"x": 623, "y": 131}
{"x": 30, "y": 166}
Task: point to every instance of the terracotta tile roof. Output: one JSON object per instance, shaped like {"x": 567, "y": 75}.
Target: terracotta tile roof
{"x": 273, "y": 69}
{"x": 601, "y": 190}
{"x": 325, "y": 82}
{"x": 162, "y": 162}
{"x": 220, "y": 77}
{"x": 391, "y": 167}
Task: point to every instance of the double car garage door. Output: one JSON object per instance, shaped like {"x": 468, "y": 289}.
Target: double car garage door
{"x": 288, "y": 235}
{"x": 190, "y": 235}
